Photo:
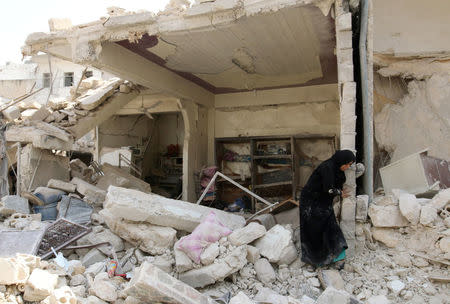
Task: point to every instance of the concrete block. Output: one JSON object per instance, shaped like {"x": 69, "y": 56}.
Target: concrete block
{"x": 61, "y": 185}
{"x": 252, "y": 254}
{"x": 345, "y": 57}
{"x": 152, "y": 285}
{"x": 93, "y": 256}
{"x": 150, "y": 238}
{"x": 13, "y": 272}
{"x": 77, "y": 279}
{"x": 163, "y": 263}
{"x": 59, "y": 24}
{"x": 344, "y": 40}
{"x": 40, "y": 114}
{"x": 218, "y": 271}
{"x": 386, "y": 216}
{"x": 11, "y": 204}
{"x": 93, "y": 98}
{"x": 275, "y": 244}
{"x": 332, "y": 295}
{"x": 210, "y": 254}
{"x": 444, "y": 244}
{"x": 40, "y": 285}
{"x": 389, "y": 237}
{"x": 11, "y": 113}
{"x": 344, "y": 22}
{"x": 105, "y": 235}
{"x": 264, "y": 271}
{"x": 427, "y": 215}
{"x": 409, "y": 207}
{"x": 345, "y": 73}
{"x": 148, "y": 207}
{"x": 380, "y": 299}
{"x": 241, "y": 298}
{"x": 103, "y": 288}
{"x": 331, "y": 277}
{"x": 83, "y": 187}
{"x": 348, "y": 91}
{"x": 182, "y": 261}
{"x": 247, "y": 234}
{"x": 362, "y": 206}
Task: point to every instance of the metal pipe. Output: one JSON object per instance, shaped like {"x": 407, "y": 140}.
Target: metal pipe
{"x": 234, "y": 183}
{"x": 367, "y": 106}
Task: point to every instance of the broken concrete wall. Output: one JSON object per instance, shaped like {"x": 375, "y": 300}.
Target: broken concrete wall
{"x": 123, "y": 131}
{"x": 195, "y": 147}
{"x": 46, "y": 164}
{"x": 419, "y": 120}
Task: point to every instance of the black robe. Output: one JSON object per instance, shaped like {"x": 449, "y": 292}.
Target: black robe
{"x": 321, "y": 237}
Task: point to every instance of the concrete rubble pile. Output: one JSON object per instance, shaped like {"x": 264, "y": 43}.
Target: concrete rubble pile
{"x": 255, "y": 263}
{"x": 62, "y": 121}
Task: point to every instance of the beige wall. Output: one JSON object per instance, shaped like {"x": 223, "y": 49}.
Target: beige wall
{"x": 411, "y": 27}
{"x": 304, "y": 110}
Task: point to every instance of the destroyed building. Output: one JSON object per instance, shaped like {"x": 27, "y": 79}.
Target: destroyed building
{"x": 260, "y": 92}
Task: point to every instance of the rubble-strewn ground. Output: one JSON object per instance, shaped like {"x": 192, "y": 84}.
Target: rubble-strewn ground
{"x": 402, "y": 255}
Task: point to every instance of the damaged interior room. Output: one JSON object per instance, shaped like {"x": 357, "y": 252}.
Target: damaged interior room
{"x": 233, "y": 152}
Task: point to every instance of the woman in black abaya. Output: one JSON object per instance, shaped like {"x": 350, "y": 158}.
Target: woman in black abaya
{"x": 321, "y": 237}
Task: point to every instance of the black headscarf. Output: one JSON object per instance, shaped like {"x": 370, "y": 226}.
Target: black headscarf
{"x": 343, "y": 157}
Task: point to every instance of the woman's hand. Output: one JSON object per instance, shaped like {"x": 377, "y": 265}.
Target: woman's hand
{"x": 345, "y": 192}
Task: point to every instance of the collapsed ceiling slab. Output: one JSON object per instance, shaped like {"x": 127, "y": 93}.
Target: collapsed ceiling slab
{"x": 222, "y": 46}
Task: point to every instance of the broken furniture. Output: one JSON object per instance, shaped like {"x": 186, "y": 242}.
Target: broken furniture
{"x": 417, "y": 173}
{"x": 274, "y": 167}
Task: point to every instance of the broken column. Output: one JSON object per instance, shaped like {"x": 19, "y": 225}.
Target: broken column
{"x": 137, "y": 206}
{"x": 150, "y": 284}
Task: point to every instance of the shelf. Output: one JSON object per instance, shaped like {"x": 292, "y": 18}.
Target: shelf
{"x": 272, "y": 185}
{"x": 272, "y": 156}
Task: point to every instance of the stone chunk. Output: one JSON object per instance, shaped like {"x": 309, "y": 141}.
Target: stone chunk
{"x": 427, "y": 215}
{"x": 241, "y": 298}
{"x": 92, "y": 257}
{"x": 151, "y": 285}
{"x": 396, "y": 286}
{"x": 290, "y": 217}
{"x": 103, "y": 288}
{"x": 218, "y": 271}
{"x": 252, "y": 254}
{"x": 105, "y": 235}
{"x": 389, "y": 237}
{"x": 13, "y": 272}
{"x": 83, "y": 187}
{"x": 137, "y": 206}
{"x": 264, "y": 271}
{"x": 94, "y": 98}
{"x": 409, "y": 207}
{"x": 387, "y": 216}
{"x": 209, "y": 254}
{"x": 444, "y": 244}
{"x": 163, "y": 263}
{"x": 276, "y": 244}
{"x": 362, "y": 205}
{"x": 182, "y": 261}
{"x": 11, "y": 113}
{"x": 11, "y": 204}
{"x": 61, "y": 185}
{"x": 331, "y": 277}
{"x": 62, "y": 295}
{"x": 332, "y": 295}
{"x": 40, "y": 285}
{"x": 247, "y": 234}
{"x": 150, "y": 238}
